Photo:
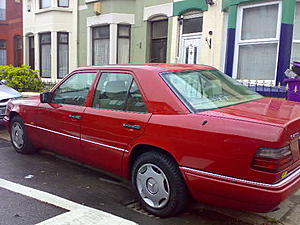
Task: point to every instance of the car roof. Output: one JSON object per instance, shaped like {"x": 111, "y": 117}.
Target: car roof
{"x": 159, "y": 67}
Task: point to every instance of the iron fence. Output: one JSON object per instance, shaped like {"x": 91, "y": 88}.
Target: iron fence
{"x": 268, "y": 90}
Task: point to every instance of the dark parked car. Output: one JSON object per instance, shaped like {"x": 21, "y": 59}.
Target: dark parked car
{"x": 6, "y": 93}
{"x": 174, "y": 130}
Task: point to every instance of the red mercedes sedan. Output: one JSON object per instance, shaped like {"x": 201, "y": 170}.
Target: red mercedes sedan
{"x": 174, "y": 130}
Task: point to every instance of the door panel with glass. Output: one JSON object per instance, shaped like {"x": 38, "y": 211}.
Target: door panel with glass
{"x": 117, "y": 116}
{"x": 191, "y": 38}
{"x": 59, "y": 121}
{"x": 190, "y": 52}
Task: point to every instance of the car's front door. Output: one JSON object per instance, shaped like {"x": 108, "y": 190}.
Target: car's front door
{"x": 117, "y": 115}
{"x": 60, "y": 120}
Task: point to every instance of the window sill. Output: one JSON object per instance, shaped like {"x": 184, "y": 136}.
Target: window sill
{"x": 90, "y": 1}
{"x": 52, "y": 9}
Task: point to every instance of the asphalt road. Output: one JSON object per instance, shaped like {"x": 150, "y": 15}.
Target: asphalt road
{"x": 55, "y": 175}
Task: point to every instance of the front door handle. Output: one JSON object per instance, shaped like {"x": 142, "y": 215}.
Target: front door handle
{"x": 132, "y": 126}
{"x": 75, "y": 117}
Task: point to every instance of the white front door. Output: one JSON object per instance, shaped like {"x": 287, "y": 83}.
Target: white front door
{"x": 190, "y": 49}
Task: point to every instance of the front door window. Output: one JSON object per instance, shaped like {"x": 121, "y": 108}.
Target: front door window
{"x": 74, "y": 90}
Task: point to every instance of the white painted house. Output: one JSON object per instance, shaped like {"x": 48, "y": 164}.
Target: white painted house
{"x": 50, "y": 37}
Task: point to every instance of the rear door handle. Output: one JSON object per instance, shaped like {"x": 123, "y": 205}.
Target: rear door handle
{"x": 75, "y": 117}
{"x": 132, "y": 126}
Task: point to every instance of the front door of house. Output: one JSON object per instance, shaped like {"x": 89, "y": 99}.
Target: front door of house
{"x": 190, "y": 49}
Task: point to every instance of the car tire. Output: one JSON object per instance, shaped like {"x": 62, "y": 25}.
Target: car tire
{"x": 19, "y": 137}
{"x": 159, "y": 185}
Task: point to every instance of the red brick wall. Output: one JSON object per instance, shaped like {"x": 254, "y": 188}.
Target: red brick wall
{"x": 11, "y": 27}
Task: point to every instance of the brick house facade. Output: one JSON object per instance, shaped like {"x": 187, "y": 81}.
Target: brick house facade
{"x": 11, "y": 32}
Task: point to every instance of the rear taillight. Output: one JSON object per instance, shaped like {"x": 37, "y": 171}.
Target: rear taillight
{"x": 272, "y": 159}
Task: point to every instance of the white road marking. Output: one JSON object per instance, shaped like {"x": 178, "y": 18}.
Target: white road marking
{"x": 78, "y": 215}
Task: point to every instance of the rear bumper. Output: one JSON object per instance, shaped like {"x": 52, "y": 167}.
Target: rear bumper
{"x": 239, "y": 194}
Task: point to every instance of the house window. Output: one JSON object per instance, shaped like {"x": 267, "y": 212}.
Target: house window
{"x": 192, "y": 25}
{"x": 159, "y": 38}
{"x": 45, "y": 55}
{"x": 2, "y": 9}
{"x": 18, "y": 50}
{"x": 296, "y": 42}
{"x": 63, "y": 3}
{"x": 100, "y": 42}
{"x": 123, "y": 43}
{"x": 3, "y": 53}
{"x": 257, "y": 41}
{"x": 45, "y": 4}
{"x": 31, "y": 52}
{"x": 62, "y": 54}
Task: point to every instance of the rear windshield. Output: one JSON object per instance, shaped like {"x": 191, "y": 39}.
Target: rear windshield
{"x": 207, "y": 89}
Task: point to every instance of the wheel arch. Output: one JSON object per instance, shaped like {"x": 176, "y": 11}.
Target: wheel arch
{"x": 13, "y": 114}
{"x": 139, "y": 149}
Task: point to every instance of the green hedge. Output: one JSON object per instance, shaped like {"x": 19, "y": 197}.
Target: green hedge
{"x": 22, "y": 78}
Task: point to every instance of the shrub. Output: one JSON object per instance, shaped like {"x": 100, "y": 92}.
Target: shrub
{"x": 21, "y": 78}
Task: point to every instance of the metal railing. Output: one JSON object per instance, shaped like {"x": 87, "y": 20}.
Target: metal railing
{"x": 267, "y": 90}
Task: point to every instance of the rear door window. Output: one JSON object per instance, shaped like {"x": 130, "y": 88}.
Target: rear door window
{"x": 118, "y": 91}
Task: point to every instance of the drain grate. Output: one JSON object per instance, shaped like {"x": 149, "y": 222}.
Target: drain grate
{"x": 137, "y": 207}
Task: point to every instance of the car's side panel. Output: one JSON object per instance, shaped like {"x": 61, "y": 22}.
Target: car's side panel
{"x": 26, "y": 108}
{"x": 58, "y": 131}
{"x": 105, "y": 139}
{"x": 211, "y": 144}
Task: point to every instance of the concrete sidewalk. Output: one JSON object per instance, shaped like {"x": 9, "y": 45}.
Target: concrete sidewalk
{"x": 288, "y": 214}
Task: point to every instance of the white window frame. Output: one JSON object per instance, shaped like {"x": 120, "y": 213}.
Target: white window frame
{"x": 294, "y": 40}
{"x": 5, "y": 11}
{"x": 239, "y": 42}
{"x": 111, "y": 19}
{"x": 189, "y": 15}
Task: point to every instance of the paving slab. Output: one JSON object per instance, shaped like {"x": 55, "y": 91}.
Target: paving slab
{"x": 21, "y": 210}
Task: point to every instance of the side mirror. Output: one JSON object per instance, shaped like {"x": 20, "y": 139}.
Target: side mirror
{"x": 4, "y": 82}
{"x": 46, "y": 97}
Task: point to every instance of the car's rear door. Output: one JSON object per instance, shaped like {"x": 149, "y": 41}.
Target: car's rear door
{"x": 117, "y": 114}
{"x": 59, "y": 121}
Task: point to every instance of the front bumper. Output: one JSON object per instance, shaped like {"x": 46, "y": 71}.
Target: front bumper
{"x": 4, "y": 121}
{"x": 239, "y": 194}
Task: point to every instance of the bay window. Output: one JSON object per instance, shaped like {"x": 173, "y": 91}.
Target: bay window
{"x": 3, "y": 53}
{"x": 296, "y": 39}
{"x": 257, "y": 41}
{"x": 100, "y": 45}
{"x": 123, "y": 44}
{"x": 45, "y": 4}
{"x": 45, "y": 55}
{"x": 62, "y": 54}
{"x": 2, "y": 9}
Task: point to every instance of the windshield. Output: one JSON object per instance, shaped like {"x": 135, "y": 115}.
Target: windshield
{"x": 208, "y": 89}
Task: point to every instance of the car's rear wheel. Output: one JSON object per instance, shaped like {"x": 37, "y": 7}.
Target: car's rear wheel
{"x": 19, "y": 137}
{"x": 159, "y": 184}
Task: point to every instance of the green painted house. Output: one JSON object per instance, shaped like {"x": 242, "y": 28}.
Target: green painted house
{"x": 248, "y": 39}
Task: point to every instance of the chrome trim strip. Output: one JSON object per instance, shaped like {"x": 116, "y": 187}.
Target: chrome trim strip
{"x": 248, "y": 182}
{"x": 52, "y": 131}
{"x": 77, "y": 138}
{"x": 104, "y": 145}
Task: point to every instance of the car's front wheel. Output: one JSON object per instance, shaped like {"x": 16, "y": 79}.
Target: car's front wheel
{"x": 19, "y": 137}
{"x": 159, "y": 184}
